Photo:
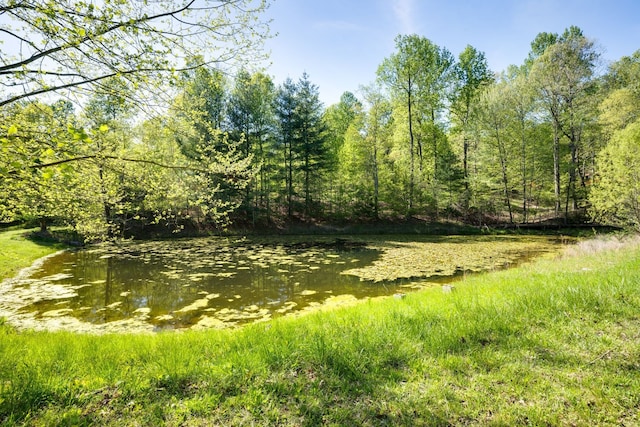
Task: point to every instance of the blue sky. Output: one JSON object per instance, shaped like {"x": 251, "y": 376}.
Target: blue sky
{"x": 340, "y": 43}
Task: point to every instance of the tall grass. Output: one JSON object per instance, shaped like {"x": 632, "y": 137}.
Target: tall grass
{"x": 552, "y": 343}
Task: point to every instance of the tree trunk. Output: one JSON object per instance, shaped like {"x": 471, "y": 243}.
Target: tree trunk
{"x": 505, "y": 181}
{"x": 571, "y": 190}
{"x": 465, "y": 154}
{"x": 411, "y": 146}
{"x": 376, "y": 184}
{"x": 307, "y": 196}
{"x": 556, "y": 166}
{"x": 105, "y": 202}
{"x": 502, "y": 152}
{"x": 523, "y": 162}
{"x": 290, "y": 182}
{"x": 434, "y": 136}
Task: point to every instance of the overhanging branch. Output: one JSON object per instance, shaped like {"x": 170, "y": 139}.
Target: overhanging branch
{"x": 88, "y": 37}
{"x": 97, "y": 79}
{"x": 124, "y": 159}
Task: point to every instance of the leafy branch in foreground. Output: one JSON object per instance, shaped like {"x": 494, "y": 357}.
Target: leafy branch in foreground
{"x": 54, "y": 45}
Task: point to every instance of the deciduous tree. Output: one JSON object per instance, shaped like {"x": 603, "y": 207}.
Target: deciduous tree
{"x": 615, "y": 196}
{"x": 472, "y": 75}
{"x": 419, "y": 75}
{"x": 564, "y": 75}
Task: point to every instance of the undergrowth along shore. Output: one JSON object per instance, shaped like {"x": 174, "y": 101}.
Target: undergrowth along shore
{"x": 549, "y": 343}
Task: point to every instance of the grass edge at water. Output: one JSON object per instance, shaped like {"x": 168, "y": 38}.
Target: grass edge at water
{"x": 553, "y": 342}
{"x": 18, "y": 250}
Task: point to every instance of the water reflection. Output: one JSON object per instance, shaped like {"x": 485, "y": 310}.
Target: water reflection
{"x": 218, "y": 282}
{"x": 174, "y": 284}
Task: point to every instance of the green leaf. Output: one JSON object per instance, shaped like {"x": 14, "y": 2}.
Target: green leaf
{"x": 104, "y": 128}
{"x": 13, "y": 129}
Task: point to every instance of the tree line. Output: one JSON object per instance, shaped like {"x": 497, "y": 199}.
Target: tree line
{"x": 435, "y": 136}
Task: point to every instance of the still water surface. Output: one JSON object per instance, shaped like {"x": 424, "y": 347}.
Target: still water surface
{"x": 207, "y": 282}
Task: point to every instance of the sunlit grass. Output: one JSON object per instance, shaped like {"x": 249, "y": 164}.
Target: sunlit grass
{"x": 17, "y": 252}
{"x": 550, "y": 343}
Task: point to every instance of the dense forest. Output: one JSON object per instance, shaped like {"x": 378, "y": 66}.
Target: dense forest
{"x": 435, "y": 136}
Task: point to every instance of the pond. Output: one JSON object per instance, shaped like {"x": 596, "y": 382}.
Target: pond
{"x": 220, "y": 282}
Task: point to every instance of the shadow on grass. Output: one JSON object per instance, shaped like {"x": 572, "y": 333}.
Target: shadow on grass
{"x": 58, "y": 239}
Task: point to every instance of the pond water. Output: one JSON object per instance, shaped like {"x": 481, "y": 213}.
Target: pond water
{"x": 206, "y": 282}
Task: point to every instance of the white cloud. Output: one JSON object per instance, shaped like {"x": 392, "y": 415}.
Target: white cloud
{"x": 404, "y": 12}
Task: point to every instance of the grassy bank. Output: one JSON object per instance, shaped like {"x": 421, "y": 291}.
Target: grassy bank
{"x": 552, "y": 343}
{"x": 17, "y": 251}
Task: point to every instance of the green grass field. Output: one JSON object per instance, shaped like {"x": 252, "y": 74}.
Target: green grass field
{"x": 556, "y": 342}
{"x": 16, "y": 252}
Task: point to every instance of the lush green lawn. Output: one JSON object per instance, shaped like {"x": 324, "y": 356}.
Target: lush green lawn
{"x": 16, "y": 252}
{"x": 553, "y": 343}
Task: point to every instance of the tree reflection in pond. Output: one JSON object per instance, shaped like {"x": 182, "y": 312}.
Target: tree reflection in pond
{"x": 206, "y": 282}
